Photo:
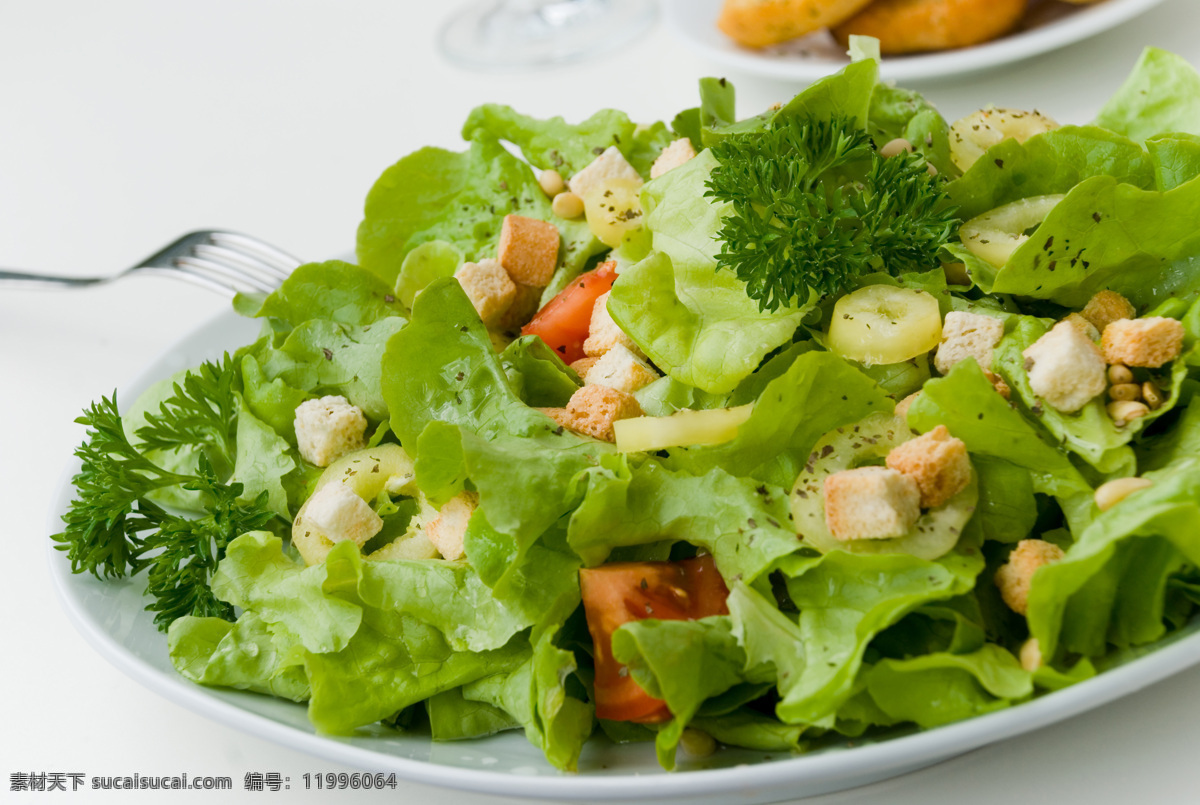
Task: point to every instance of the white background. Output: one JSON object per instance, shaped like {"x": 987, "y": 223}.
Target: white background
{"x": 124, "y": 124}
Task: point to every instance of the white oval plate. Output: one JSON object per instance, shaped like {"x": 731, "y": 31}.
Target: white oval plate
{"x": 1049, "y": 26}
{"x": 111, "y": 617}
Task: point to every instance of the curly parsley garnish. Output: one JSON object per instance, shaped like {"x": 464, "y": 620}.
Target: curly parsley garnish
{"x": 814, "y": 206}
{"x": 113, "y": 529}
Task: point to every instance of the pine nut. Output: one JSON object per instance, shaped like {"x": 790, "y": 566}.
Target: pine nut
{"x": 1031, "y": 655}
{"x": 567, "y": 205}
{"x": 1113, "y": 492}
{"x": 1152, "y": 395}
{"x": 1118, "y": 374}
{"x": 1122, "y": 412}
{"x": 895, "y": 147}
{"x": 931, "y": 170}
{"x": 697, "y": 743}
{"x": 1125, "y": 391}
{"x": 552, "y": 182}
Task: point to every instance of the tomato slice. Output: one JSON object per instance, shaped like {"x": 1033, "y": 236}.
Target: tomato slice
{"x": 616, "y": 594}
{"x": 563, "y": 322}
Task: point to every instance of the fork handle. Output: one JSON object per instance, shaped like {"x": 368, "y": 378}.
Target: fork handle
{"x": 21, "y": 279}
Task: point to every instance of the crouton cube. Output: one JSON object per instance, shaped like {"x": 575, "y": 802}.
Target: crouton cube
{"x": 609, "y": 165}
{"x": 560, "y": 416}
{"x": 528, "y": 250}
{"x": 870, "y": 503}
{"x": 329, "y": 428}
{"x": 1148, "y": 342}
{"x": 998, "y": 384}
{"x": 967, "y": 335}
{"x": 672, "y": 157}
{"x": 593, "y": 409}
{"x": 1106, "y": 307}
{"x": 489, "y": 288}
{"x": 1084, "y": 326}
{"x": 340, "y": 514}
{"x": 937, "y": 462}
{"x": 620, "y": 369}
{"x": 446, "y": 531}
{"x": 582, "y": 366}
{"x": 604, "y": 333}
{"x": 903, "y": 406}
{"x": 1065, "y": 368}
{"x": 525, "y": 304}
{"x": 1013, "y": 578}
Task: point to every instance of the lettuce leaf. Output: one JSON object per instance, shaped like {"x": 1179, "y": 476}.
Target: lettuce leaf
{"x": 1108, "y": 234}
{"x": 742, "y": 523}
{"x": 459, "y": 199}
{"x": 1111, "y": 586}
{"x": 936, "y": 689}
{"x": 1048, "y": 164}
{"x": 1161, "y": 95}
{"x": 818, "y": 393}
{"x": 844, "y": 601}
{"x": 696, "y": 323}
{"x": 569, "y": 148}
{"x": 336, "y": 291}
{"x": 967, "y": 404}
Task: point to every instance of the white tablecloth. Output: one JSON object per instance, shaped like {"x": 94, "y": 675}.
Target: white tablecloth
{"x": 125, "y": 123}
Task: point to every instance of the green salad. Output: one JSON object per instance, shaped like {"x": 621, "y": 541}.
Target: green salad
{"x": 766, "y": 432}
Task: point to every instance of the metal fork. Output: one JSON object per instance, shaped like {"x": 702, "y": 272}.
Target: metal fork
{"x": 224, "y": 262}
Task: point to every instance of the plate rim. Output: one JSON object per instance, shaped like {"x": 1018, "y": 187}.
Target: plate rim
{"x": 1085, "y": 22}
{"x": 820, "y": 771}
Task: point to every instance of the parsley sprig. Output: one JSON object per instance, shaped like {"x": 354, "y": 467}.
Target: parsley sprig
{"x": 814, "y": 206}
{"x": 113, "y": 528}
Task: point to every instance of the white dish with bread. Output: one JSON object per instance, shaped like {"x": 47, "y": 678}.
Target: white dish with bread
{"x": 920, "y": 39}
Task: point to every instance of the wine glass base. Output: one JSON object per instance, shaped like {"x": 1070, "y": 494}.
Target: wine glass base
{"x": 495, "y": 35}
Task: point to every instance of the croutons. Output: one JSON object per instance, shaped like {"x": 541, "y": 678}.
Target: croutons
{"x": 604, "y": 333}
{"x": 592, "y": 410}
{"x": 524, "y": 306}
{"x": 489, "y": 288}
{"x": 756, "y": 23}
{"x": 1065, "y": 368}
{"x": 341, "y": 514}
{"x": 1014, "y": 577}
{"x": 620, "y": 369}
{"x": 1083, "y": 325}
{"x": 1148, "y": 342}
{"x": 870, "y": 503}
{"x": 1106, "y": 307}
{"x": 915, "y": 26}
{"x": 329, "y": 428}
{"x": 446, "y": 531}
{"x": 609, "y": 165}
{"x": 937, "y": 462}
{"x": 903, "y": 406}
{"x": 528, "y": 249}
{"x": 582, "y": 366}
{"x": 672, "y": 157}
{"x": 967, "y": 335}
{"x": 998, "y": 384}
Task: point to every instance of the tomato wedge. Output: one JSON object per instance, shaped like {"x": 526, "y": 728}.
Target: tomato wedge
{"x": 563, "y": 322}
{"x": 616, "y": 594}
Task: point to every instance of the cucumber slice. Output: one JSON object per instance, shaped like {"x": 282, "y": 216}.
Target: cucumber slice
{"x": 971, "y": 137}
{"x": 864, "y": 444}
{"x": 614, "y": 210}
{"x": 882, "y": 324}
{"x": 369, "y": 473}
{"x": 680, "y": 429}
{"x": 996, "y": 234}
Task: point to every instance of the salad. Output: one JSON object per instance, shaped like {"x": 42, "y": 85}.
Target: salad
{"x": 760, "y": 432}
